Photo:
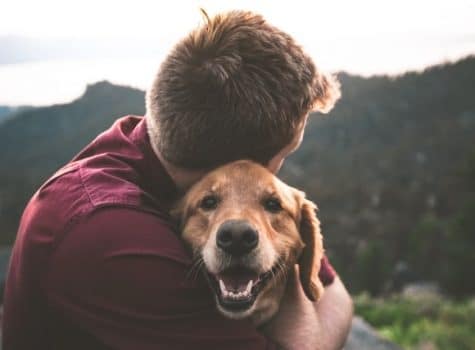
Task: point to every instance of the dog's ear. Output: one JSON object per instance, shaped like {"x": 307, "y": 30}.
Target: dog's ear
{"x": 310, "y": 259}
{"x": 179, "y": 212}
{"x": 176, "y": 213}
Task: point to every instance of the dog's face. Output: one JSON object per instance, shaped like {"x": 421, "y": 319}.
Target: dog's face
{"x": 248, "y": 229}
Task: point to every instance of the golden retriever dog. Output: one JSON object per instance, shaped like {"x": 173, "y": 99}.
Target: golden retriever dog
{"x": 247, "y": 229}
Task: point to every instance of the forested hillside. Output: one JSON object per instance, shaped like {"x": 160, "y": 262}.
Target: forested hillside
{"x": 392, "y": 169}
{"x": 36, "y": 142}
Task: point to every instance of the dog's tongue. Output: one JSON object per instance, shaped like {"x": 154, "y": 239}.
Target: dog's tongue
{"x": 237, "y": 279}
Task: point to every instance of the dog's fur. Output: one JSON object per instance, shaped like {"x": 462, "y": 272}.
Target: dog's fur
{"x": 288, "y": 236}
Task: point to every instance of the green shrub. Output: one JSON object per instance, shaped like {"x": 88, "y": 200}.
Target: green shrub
{"x": 447, "y": 324}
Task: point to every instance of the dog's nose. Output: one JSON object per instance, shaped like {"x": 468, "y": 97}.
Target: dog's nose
{"x": 237, "y": 237}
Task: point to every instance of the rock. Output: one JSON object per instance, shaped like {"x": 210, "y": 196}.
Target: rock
{"x": 422, "y": 290}
{"x": 363, "y": 337}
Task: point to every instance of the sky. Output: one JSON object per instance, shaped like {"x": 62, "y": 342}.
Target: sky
{"x": 73, "y": 43}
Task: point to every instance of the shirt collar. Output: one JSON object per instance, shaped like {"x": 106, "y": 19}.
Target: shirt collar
{"x": 156, "y": 179}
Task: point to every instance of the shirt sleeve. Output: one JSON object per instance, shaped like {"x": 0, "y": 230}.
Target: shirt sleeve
{"x": 124, "y": 277}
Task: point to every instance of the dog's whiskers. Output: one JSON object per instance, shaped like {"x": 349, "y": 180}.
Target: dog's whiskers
{"x": 195, "y": 269}
{"x": 280, "y": 274}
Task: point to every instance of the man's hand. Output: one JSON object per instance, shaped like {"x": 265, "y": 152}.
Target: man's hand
{"x": 302, "y": 324}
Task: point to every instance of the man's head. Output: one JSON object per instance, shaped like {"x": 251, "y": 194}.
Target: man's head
{"x": 234, "y": 88}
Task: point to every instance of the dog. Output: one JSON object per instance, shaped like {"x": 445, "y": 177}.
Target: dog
{"x": 247, "y": 230}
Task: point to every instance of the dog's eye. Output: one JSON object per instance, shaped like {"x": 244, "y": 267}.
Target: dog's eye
{"x": 209, "y": 202}
{"x": 272, "y": 205}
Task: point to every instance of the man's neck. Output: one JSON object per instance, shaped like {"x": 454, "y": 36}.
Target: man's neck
{"x": 183, "y": 178}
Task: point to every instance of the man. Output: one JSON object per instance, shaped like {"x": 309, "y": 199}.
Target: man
{"x": 98, "y": 264}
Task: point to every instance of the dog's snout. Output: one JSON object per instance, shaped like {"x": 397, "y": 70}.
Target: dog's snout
{"x": 237, "y": 237}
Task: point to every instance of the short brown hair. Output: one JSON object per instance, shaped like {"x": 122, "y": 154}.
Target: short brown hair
{"x": 234, "y": 88}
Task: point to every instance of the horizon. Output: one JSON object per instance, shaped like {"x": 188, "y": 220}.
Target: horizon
{"x": 49, "y": 58}
{"x": 131, "y": 86}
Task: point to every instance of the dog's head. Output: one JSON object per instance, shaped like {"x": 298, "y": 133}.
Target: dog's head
{"x": 248, "y": 229}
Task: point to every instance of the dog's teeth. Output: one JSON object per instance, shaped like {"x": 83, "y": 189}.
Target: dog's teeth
{"x": 246, "y": 293}
{"x": 222, "y": 287}
{"x": 224, "y": 291}
{"x": 249, "y": 287}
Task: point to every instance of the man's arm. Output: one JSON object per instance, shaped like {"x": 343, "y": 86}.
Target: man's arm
{"x": 301, "y": 324}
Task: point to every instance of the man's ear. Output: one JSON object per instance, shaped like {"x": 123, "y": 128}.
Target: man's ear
{"x": 326, "y": 91}
{"x": 309, "y": 261}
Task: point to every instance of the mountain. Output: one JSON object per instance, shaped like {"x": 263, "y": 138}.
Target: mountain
{"x": 5, "y": 111}
{"x": 392, "y": 169}
{"x": 38, "y": 141}
{"x": 387, "y": 168}
{"x": 10, "y": 111}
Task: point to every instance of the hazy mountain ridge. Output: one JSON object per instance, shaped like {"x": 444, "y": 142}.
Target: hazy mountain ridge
{"x": 9, "y": 111}
{"x": 36, "y": 142}
{"x": 4, "y": 111}
{"x": 386, "y": 158}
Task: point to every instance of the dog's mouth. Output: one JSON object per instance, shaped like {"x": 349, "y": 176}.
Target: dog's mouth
{"x": 238, "y": 287}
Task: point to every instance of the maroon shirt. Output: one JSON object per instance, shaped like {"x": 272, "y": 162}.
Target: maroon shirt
{"x": 97, "y": 263}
